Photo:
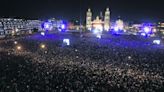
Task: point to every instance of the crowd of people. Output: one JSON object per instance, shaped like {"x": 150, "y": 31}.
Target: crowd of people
{"x": 114, "y": 64}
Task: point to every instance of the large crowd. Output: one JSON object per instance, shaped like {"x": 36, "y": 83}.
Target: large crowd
{"x": 114, "y": 64}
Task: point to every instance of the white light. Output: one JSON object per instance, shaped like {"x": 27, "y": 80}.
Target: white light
{"x": 19, "y": 47}
{"x": 157, "y": 42}
{"x": 16, "y": 30}
{"x": 98, "y": 27}
{"x": 129, "y": 57}
{"x": 106, "y": 27}
{"x": 116, "y": 28}
{"x": 95, "y": 31}
{"x": 143, "y": 34}
{"x": 66, "y": 41}
{"x": 63, "y": 26}
{"x": 13, "y": 32}
{"x": 42, "y": 46}
{"x": 98, "y": 36}
{"x": 154, "y": 30}
{"x": 15, "y": 42}
{"x": 59, "y": 30}
{"x": 89, "y": 29}
{"x": 30, "y": 32}
{"x": 47, "y": 26}
{"x": 42, "y": 33}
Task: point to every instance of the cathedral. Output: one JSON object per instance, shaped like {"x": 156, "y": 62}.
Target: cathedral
{"x": 99, "y": 24}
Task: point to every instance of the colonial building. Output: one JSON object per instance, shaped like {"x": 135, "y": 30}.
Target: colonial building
{"x": 11, "y": 26}
{"x": 161, "y": 27}
{"x": 98, "y": 23}
{"x": 2, "y": 32}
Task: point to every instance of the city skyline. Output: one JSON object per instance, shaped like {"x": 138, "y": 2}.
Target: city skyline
{"x": 140, "y": 10}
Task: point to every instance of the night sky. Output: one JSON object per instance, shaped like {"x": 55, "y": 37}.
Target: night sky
{"x": 128, "y": 10}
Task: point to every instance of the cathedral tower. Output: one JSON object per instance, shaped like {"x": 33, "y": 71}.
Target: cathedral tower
{"x": 89, "y": 20}
{"x": 107, "y": 20}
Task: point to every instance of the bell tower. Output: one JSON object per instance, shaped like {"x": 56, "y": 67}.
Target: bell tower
{"x": 89, "y": 20}
{"x": 107, "y": 20}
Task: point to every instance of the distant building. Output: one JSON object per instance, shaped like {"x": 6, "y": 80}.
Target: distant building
{"x": 89, "y": 20}
{"x": 2, "y": 32}
{"x": 107, "y": 20}
{"x": 13, "y": 26}
{"x": 98, "y": 23}
{"x": 33, "y": 24}
{"x": 56, "y": 24}
{"x": 119, "y": 25}
{"x": 135, "y": 28}
{"x": 161, "y": 27}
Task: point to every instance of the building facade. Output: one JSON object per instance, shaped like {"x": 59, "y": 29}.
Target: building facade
{"x": 89, "y": 20}
{"x": 2, "y": 32}
{"x": 107, "y": 20}
{"x": 98, "y": 23}
{"x": 54, "y": 25}
{"x": 11, "y": 26}
{"x": 161, "y": 27}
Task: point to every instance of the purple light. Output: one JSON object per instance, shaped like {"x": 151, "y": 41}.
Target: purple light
{"x": 59, "y": 30}
{"x": 47, "y": 26}
{"x": 147, "y": 29}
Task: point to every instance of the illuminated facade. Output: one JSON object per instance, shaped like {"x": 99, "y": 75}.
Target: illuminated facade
{"x": 119, "y": 25}
{"x": 161, "y": 27}
{"x": 97, "y": 24}
{"x": 101, "y": 24}
{"x": 107, "y": 20}
{"x": 54, "y": 25}
{"x": 2, "y": 32}
{"x": 89, "y": 20}
{"x": 11, "y": 26}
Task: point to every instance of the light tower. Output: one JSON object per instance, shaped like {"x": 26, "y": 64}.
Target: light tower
{"x": 89, "y": 20}
{"x": 107, "y": 20}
